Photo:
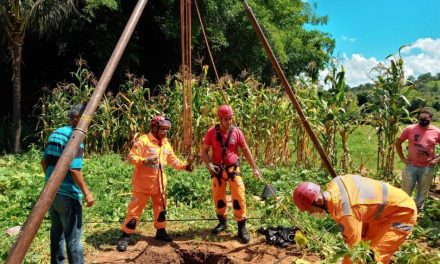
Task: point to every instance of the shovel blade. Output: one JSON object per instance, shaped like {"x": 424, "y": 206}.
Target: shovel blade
{"x": 268, "y": 191}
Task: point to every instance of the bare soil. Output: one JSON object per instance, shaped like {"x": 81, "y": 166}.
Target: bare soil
{"x": 193, "y": 247}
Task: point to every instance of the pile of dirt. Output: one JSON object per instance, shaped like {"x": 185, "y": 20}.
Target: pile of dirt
{"x": 145, "y": 249}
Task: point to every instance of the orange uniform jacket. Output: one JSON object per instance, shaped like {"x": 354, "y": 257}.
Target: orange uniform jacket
{"x": 146, "y": 179}
{"x": 367, "y": 209}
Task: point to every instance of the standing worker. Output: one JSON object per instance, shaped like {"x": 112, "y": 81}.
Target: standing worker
{"x": 225, "y": 139}
{"x": 365, "y": 209}
{"x": 149, "y": 154}
{"x": 421, "y": 160}
{"x": 66, "y": 209}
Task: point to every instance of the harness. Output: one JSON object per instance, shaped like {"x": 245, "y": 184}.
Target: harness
{"x": 231, "y": 173}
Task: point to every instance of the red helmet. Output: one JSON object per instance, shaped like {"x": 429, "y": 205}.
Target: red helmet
{"x": 225, "y": 111}
{"x": 305, "y": 194}
{"x": 160, "y": 121}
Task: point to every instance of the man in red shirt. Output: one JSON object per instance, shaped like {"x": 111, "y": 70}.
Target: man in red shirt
{"x": 421, "y": 159}
{"x": 225, "y": 139}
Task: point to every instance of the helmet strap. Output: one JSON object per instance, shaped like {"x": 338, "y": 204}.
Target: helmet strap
{"x": 322, "y": 204}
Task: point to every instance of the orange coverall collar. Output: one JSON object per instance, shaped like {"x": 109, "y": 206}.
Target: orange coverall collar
{"x": 153, "y": 139}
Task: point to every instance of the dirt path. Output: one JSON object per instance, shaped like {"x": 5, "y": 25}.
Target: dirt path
{"x": 193, "y": 249}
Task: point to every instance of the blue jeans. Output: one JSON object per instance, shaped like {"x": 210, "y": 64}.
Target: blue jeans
{"x": 66, "y": 218}
{"x": 420, "y": 176}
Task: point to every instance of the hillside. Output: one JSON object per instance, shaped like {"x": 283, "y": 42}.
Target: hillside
{"x": 422, "y": 92}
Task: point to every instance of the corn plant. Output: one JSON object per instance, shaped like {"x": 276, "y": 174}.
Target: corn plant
{"x": 53, "y": 107}
{"x": 306, "y": 156}
{"x": 360, "y": 253}
{"x": 263, "y": 113}
{"x": 342, "y": 116}
{"x": 387, "y": 107}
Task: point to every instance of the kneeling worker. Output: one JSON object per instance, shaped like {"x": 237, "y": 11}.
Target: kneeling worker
{"x": 365, "y": 209}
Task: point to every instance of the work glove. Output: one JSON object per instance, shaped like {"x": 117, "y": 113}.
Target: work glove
{"x": 151, "y": 161}
{"x": 213, "y": 169}
{"x": 189, "y": 167}
{"x": 256, "y": 173}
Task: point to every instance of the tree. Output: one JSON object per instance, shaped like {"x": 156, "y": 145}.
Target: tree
{"x": 426, "y": 77}
{"x": 16, "y": 18}
{"x": 236, "y": 46}
{"x": 436, "y": 106}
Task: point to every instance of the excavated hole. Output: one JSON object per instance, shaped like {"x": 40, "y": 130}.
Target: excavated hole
{"x": 203, "y": 257}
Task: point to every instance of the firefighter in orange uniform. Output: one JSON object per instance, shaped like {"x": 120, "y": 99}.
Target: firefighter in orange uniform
{"x": 225, "y": 139}
{"x": 365, "y": 209}
{"x": 149, "y": 154}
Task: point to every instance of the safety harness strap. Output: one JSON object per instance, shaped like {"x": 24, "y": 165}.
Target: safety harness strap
{"x": 223, "y": 144}
{"x": 231, "y": 173}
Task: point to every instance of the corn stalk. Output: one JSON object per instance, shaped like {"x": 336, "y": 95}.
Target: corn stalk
{"x": 388, "y": 105}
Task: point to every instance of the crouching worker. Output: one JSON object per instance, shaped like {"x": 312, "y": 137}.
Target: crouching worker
{"x": 365, "y": 209}
{"x": 149, "y": 154}
{"x": 225, "y": 139}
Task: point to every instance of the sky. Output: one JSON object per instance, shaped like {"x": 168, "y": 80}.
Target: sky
{"x": 367, "y": 31}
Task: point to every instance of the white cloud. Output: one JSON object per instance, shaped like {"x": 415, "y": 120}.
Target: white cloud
{"x": 422, "y": 56}
{"x": 349, "y": 39}
{"x": 357, "y": 69}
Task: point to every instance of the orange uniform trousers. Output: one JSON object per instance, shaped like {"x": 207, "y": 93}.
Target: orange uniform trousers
{"x": 237, "y": 189}
{"x": 136, "y": 207}
{"x": 387, "y": 236}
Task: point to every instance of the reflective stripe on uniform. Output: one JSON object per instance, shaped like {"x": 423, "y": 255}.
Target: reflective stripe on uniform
{"x": 357, "y": 180}
{"x": 344, "y": 196}
{"x": 404, "y": 227}
{"x": 384, "y": 200}
{"x": 366, "y": 190}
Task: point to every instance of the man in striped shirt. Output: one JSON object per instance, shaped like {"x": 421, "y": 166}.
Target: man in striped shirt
{"x": 365, "y": 209}
{"x": 66, "y": 209}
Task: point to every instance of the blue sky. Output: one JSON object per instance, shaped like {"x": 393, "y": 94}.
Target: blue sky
{"x": 368, "y": 31}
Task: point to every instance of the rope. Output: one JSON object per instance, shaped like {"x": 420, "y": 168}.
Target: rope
{"x": 152, "y": 220}
{"x": 185, "y": 30}
{"x": 206, "y": 41}
{"x": 209, "y": 50}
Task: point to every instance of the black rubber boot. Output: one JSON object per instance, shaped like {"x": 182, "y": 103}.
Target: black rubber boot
{"x": 221, "y": 226}
{"x": 243, "y": 234}
{"x": 123, "y": 241}
{"x": 161, "y": 234}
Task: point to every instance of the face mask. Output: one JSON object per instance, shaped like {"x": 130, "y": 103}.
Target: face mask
{"x": 318, "y": 215}
{"x": 424, "y": 122}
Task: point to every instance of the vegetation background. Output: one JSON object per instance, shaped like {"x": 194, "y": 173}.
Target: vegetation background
{"x": 356, "y": 125}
